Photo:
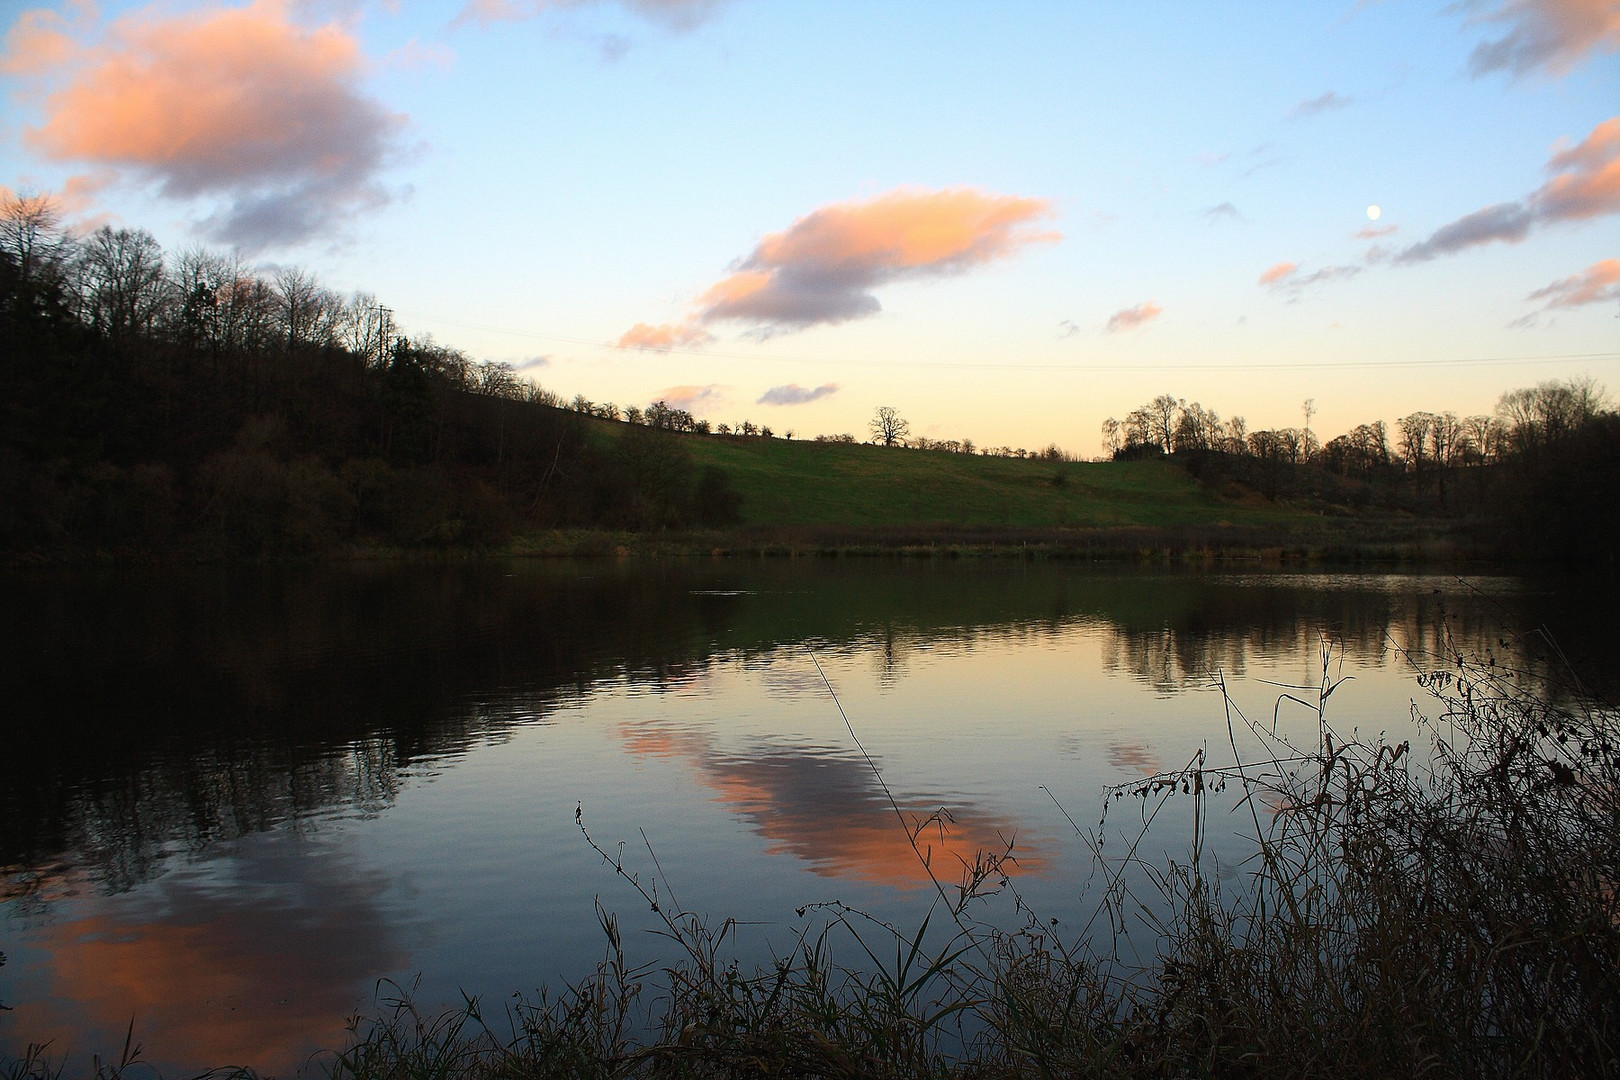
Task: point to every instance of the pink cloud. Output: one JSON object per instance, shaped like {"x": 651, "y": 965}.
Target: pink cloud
{"x": 665, "y": 337}
{"x": 690, "y": 398}
{"x": 76, "y": 197}
{"x": 1597, "y": 284}
{"x": 1555, "y": 35}
{"x": 1280, "y": 272}
{"x": 1585, "y": 184}
{"x": 39, "y": 42}
{"x": 1286, "y": 278}
{"x": 824, "y": 267}
{"x": 1373, "y": 232}
{"x": 239, "y": 104}
{"x": 1132, "y": 317}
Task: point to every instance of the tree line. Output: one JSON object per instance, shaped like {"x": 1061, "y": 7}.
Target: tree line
{"x": 1538, "y": 473}
{"x": 188, "y": 400}
{"x": 1526, "y": 420}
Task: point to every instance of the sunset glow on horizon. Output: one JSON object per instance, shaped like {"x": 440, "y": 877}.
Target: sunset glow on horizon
{"x": 1007, "y": 221}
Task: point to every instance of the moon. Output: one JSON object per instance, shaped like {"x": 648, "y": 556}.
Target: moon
{"x": 1373, "y": 211}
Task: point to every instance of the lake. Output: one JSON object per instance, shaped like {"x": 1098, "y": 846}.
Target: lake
{"x": 241, "y": 804}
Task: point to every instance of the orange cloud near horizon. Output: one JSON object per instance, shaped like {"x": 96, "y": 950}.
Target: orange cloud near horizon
{"x": 664, "y": 337}
{"x": 688, "y": 397}
{"x": 1132, "y": 317}
{"x": 823, "y": 268}
{"x": 1597, "y": 284}
{"x": 1585, "y": 184}
{"x": 1280, "y": 272}
{"x": 908, "y": 229}
{"x": 1588, "y": 180}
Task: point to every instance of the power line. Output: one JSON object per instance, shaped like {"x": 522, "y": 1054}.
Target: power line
{"x": 1079, "y": 366}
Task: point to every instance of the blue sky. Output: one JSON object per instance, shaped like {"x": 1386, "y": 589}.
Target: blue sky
{"x": 1008, "y": 220}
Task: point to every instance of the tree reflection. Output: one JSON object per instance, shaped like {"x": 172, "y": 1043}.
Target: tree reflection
{"x": 161, "y": 712}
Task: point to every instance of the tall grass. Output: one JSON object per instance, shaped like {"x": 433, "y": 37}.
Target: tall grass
{"x": 1443, "y": 905}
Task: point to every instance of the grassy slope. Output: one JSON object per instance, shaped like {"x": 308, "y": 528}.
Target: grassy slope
{"x": 805, "y": 483}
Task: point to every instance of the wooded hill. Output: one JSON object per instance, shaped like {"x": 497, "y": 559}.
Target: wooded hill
{"x": 183, "y": 406}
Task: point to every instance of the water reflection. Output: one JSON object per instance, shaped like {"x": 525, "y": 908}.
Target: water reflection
{"x": 222, "y": 784}
{"x": 1224, "y": 623}
{"x": 1135, "y": 759}
{"x": 258, "y": 963}
{"x": 160, "y": 713}
{"x": 824, "y": 806}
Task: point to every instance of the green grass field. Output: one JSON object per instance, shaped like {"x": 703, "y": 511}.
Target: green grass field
{"x": 808, "y": 483}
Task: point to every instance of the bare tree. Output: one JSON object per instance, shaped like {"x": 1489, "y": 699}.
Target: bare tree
{"x": 1237, "y": 435}
{"x": 30, "y": 232}
{"x": 494, "y": 379}
{"x": 1112, "y": 436}
{"x": 298, "y": 294}
{"x": 1415, "y": 429}
{"x": 1445, "y": 439}
{"x": 1483, "y": 435}
{"x": 1139, "y": 428}
{"x": 1197, "y": 428}
{"x": 1372, "y": 445}
{"x": 1548, "y": 412}
{"x": 122, "y": 282}
{"x": 887, "y": 427}
{"x": 366, "y": 329}
{"x": 1162, "y": 412}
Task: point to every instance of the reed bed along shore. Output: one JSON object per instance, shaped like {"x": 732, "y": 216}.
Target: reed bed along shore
{"x": 1444, "y": 904}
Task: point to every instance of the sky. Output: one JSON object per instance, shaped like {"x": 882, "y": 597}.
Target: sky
{"x": 1008, "y": 220}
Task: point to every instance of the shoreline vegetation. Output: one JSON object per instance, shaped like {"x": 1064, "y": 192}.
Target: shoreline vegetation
{"x": 1445, "y": 904}
{"x": 183, "y": 406}
{"x": 1190, "y": 546}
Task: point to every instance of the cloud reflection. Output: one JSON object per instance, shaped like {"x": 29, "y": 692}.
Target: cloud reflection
{"x": 823, "y": 806}
{"x": 1134, "y": 757}
{"x": 257, "y": 971}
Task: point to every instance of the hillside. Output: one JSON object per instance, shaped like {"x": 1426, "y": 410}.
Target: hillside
{"x": 794, "y": 495}
{"x": 808, "y": 483}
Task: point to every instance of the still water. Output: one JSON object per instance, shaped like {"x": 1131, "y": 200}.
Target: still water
{"x": 235, "y": 802}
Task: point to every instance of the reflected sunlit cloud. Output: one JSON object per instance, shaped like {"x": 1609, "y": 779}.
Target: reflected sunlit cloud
{"x": 824, "y": 806}
{"x": 1134, "y": 757}
{"x": 257, "y": 971}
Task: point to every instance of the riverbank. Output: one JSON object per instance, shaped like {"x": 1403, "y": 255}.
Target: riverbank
{"x": 1370, "y": 544}
{"x": 1330, "y": 542}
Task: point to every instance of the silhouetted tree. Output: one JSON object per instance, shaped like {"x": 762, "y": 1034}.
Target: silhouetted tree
{"x": 887, "y": 426}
